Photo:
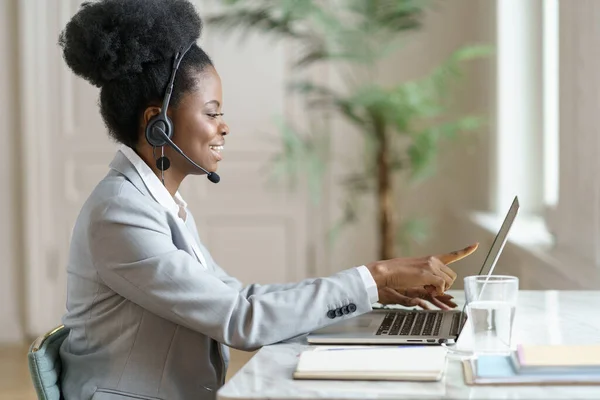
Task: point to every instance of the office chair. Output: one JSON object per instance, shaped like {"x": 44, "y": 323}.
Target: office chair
{"x": 45, "y": 365}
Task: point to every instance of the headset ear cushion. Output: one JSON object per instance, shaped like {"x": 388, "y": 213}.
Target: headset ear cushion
{"x": 154, "y": 130}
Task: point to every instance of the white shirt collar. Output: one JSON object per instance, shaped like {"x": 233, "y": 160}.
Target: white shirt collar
{"x": 160, "y": 193}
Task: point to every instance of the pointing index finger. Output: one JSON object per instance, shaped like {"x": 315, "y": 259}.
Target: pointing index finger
{"x": 454, "y": 256}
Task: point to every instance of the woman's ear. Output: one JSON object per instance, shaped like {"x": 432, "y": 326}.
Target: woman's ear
{"x": 149, "y": 112}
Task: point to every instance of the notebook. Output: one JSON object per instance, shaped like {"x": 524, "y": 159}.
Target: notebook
{"x": 500, "y": 370}
{"x": 402, "y": 363}
{"x": 566, "y": 359}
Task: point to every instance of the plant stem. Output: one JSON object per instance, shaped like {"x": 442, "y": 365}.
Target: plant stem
{"x": 385, "y": 194}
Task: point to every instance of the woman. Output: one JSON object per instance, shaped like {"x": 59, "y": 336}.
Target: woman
{"x": 150, "y": 312}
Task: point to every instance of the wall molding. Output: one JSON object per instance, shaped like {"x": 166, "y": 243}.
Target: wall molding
{"x": 35, "y": 117}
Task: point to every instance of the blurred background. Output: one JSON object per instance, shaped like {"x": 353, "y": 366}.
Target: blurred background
{"x": 360, "y": 130}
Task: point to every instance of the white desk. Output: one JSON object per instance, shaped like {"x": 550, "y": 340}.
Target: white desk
{"x": 544, "y": 317}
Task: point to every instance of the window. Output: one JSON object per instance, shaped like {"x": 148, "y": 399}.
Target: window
{"x": 526, "y": 139}
{"x": 547, "y": 142}
{"x": 527, "y": 105}
{"x": 550, "y": 102}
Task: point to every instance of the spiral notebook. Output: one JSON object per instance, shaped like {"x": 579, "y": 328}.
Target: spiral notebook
{"x": 402, "y": 363}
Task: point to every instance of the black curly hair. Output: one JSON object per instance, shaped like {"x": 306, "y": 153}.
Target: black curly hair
{"x": 126, "y": 48}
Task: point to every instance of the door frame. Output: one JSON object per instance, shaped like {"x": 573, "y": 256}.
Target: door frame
{"x": 36, "y": 125}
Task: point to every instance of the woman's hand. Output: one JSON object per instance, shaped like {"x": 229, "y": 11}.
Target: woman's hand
{"x": 430, "y": 273}
{"x": 419, "y": 297}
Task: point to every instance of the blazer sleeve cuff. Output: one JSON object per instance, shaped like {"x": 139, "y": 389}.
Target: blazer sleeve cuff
{"x": 369, "y": 282}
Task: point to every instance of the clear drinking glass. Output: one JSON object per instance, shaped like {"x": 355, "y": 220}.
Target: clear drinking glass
{"x": 491, "y": 302}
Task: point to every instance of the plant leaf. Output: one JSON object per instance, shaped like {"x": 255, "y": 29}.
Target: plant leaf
{"x": 325, "y": 97}
{"x": 423, "y": 150}
{"x": 301, "y": 155}
{"x": 449, "y": 71}
{"x": 421, "y": 154}
{"x": 392, "y": 15}
{"x": 280, "y": 17}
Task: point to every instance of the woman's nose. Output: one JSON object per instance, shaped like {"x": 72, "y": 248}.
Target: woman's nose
{"x": 224, "y": 129}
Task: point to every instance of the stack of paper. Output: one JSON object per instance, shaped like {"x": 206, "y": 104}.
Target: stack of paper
{"x": 560, "y": 364}
{"x": 404, "y": 363}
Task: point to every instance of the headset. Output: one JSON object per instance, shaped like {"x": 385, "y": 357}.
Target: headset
{"x": 159, "y": 129}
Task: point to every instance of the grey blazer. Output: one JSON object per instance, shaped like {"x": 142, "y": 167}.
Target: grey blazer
{"x": 148, "y": 321}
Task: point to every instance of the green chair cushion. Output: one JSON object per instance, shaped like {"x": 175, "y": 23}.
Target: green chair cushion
{"x": 45, "y": 366}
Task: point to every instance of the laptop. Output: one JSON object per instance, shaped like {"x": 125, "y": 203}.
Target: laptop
{"x": 411, "y": 326}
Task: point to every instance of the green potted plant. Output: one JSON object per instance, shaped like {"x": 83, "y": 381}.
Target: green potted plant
{"x": 402, "y": 124}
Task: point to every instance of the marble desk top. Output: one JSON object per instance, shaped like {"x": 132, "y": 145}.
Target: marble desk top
{"x": 542, "y": 317}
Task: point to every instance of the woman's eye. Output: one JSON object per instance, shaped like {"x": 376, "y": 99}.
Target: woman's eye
{"x": 215, "y": 115}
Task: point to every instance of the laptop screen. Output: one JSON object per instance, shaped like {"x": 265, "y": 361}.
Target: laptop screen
{"x": 492, "y": 257}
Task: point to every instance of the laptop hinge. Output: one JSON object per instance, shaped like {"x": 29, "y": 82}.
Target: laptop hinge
{"x": 456, "y": 322}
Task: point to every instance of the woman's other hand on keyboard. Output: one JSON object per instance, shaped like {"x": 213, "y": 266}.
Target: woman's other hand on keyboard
{"x": 416, "y": 297}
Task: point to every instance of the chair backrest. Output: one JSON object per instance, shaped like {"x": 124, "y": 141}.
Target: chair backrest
{"x": 45, "y": 365}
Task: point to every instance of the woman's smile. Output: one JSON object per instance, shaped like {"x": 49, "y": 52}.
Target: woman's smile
{"x": 216, "y": 151}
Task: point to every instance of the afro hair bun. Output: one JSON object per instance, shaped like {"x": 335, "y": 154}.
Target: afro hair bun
{"x": 108, "y": 40}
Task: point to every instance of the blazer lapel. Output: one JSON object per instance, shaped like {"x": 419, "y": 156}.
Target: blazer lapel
{"x": 122, "y": 165}
{"x": 187, "y": 235}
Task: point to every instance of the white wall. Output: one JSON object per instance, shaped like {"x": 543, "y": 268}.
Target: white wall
{"x": 10, "y": 269}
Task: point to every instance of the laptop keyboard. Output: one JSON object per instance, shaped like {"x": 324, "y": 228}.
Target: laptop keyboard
{"x": 411, "y": 324}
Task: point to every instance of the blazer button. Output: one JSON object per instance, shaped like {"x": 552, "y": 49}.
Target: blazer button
{"x": 351, "y": 307}
{"x": 338, "y": 312}
{"x": 345, "y": 310}
{"x": 331, "y": 314}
